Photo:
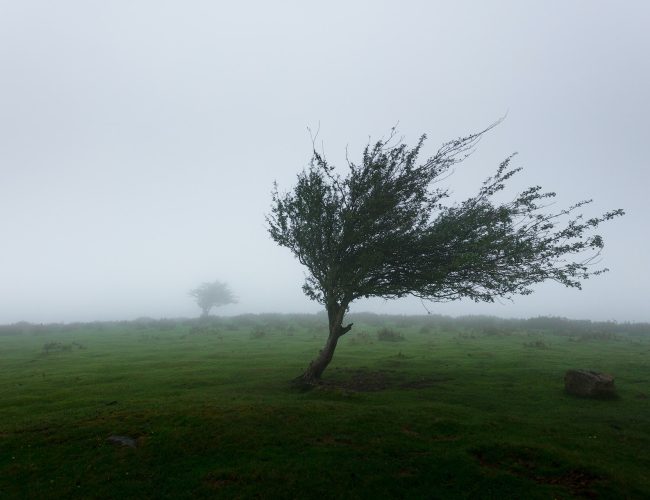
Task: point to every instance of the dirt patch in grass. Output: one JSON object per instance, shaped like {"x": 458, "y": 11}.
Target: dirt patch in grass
{"x": 364, "y": 380}
{"x": 361, "y": 380}
{"x": 541, "y": 467}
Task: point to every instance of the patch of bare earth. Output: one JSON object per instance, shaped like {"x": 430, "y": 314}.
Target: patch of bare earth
{"x": 525, "y": 462}
{"x": 362, "y": 380}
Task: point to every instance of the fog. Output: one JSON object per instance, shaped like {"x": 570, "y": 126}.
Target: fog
{"x": 139, "y": 140}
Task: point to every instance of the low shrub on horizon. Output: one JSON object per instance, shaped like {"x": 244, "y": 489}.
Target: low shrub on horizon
{"x": 389, "y": 335}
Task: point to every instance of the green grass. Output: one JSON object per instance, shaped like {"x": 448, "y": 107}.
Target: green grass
{"x": 440, "y": 414}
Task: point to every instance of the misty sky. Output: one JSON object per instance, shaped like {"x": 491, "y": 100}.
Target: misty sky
{"x": 139, "y": 140}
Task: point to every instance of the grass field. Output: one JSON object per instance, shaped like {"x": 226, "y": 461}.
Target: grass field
{"x": 452, "y": 410}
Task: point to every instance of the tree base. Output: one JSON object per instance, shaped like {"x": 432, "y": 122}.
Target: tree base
{"x": 304, "y": 384}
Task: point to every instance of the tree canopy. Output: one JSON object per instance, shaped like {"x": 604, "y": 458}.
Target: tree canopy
{"x": 209, "y": 295}
{"x": 387, "y": 229}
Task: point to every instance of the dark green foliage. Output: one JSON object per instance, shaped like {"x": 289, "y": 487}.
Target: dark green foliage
{"x": 257, "y": 333}
{"x": 389, "y": 335}
{"x": 426, "y": 324}
{"x": 56, "y": 347}
{"x": 59, "y": 347}
{"x": 385, "y": 230}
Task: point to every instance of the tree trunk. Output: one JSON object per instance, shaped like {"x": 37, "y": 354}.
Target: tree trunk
{"x": 316, "y": 368}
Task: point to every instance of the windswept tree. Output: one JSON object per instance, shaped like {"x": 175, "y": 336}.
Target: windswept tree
{"x": 385, "y": 230}
{"x": 209, "y": 295}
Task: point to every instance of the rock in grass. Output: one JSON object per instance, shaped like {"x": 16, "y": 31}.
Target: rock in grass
{"x": 123, "y": 440}
{"x": 589, "y": 384}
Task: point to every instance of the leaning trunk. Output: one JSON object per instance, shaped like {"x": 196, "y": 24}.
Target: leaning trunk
{"x": 318, "y": 365}
{"x": 336, "y": 330}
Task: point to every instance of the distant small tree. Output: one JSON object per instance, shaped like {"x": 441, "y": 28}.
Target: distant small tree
{"x": 384, "y": 230}
{"x": 209, "y": 295}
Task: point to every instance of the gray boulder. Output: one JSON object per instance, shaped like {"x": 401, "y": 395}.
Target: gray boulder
{"x": 589, "y": 384}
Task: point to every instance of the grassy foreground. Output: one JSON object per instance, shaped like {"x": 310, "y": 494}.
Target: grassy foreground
{"x": 449, "y": 411}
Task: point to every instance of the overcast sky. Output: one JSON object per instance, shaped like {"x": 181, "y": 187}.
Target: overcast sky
{"x": 139, "y": 140}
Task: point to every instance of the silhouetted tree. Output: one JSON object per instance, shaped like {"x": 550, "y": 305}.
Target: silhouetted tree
{"x": 209, "y": 295}
{"x": 384, "y": 230}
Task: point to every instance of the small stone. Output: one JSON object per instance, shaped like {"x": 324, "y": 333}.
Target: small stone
{"x": 589, "y": 384}
{"x": 123, "y": 440}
